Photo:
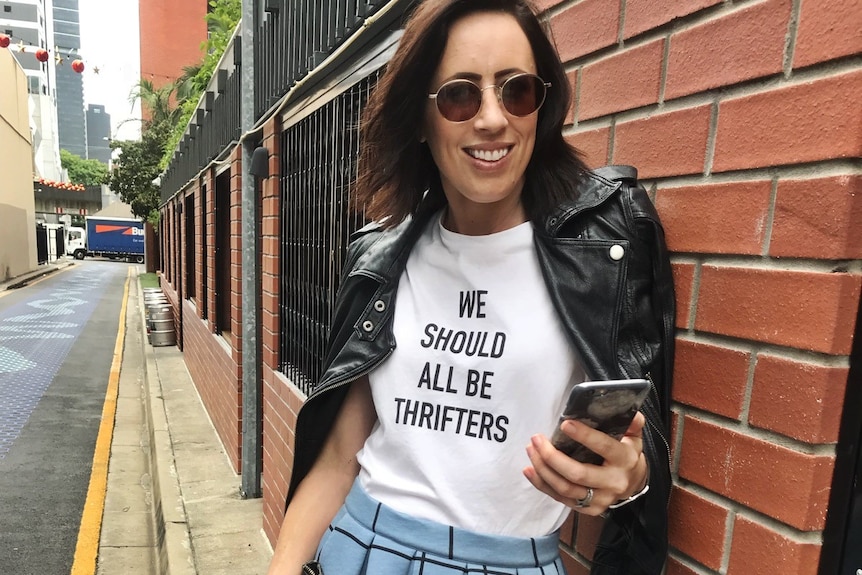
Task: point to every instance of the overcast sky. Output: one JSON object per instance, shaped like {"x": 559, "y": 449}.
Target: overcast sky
{"x": 110, "y": 41}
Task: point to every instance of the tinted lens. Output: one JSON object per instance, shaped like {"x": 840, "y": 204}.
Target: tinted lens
{"x": 523, "y": 94}
{"x": 459, "y": 100}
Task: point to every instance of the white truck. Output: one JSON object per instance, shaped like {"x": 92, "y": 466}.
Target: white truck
{"x": 112, "y": 238}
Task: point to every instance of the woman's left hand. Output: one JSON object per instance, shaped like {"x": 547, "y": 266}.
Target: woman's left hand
{"x": 623, "y": 473}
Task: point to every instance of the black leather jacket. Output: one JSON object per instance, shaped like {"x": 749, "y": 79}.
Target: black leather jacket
{"x": 617, "y": 307}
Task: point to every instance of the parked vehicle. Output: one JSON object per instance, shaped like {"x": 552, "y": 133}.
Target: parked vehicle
{"x": 107, "y": 237}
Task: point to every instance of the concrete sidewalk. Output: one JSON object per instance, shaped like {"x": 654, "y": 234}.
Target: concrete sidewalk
{"x": 172, "y": 504}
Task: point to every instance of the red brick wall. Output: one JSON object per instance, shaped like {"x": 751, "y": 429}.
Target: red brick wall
{"x": 281, "y": 400}
{"x": 744, "y": 121}
{"x": 214, "y": 361}
{"x": 213, "y": 366}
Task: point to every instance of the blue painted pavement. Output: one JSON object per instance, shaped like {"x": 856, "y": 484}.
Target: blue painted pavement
{"x": 35, "y": 337}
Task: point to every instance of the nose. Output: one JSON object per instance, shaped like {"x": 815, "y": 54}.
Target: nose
{"x": 491, "y": 116}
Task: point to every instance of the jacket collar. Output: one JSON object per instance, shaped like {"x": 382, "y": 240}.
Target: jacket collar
{"x": 388, "y": 253}
{"x": 592, "y": 192}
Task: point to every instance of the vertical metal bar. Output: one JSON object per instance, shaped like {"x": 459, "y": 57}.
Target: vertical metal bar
{"x": 252, "y": 452}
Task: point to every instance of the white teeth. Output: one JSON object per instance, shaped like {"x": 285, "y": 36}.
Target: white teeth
{"x": 489, "y": 155}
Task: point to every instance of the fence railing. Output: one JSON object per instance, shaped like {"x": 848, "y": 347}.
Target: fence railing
{"x": 295, "y": 36}
{"x": 212, "y": 128}
{"x": 293, "y": 40}
{"x": 318, "y": 168}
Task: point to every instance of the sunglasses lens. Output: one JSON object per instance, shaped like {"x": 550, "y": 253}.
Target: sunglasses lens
{"x": 522, "y": 95}
{"x": 459, "y": 100}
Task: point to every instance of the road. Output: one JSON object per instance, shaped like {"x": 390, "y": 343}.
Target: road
{"x": 57, "y": 339}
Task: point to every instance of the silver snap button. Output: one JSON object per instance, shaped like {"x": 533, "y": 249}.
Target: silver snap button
{"x": 617, "y": 252}
{"x": 379, "y": 305}
{"x": 367, "y": 325}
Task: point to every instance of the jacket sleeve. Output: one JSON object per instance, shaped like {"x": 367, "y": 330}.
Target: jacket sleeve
{"x": 641, "y": 526}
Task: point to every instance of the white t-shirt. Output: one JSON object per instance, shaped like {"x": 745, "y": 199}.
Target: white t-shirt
{"x": 482, "y": 363}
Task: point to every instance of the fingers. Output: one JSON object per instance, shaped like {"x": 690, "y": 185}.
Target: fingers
{"x": 556, "y": 482}
{"x": 615, "y": 452}
{"x": 567, "y": 480}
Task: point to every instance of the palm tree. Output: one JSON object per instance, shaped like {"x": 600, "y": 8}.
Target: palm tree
{"x": 187, "y": 85}
{"x": 156, "y": 102}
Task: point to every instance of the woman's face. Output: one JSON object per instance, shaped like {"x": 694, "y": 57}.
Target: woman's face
{"x": 482, "y": 160}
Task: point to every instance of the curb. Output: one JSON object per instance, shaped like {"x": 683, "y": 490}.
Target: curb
{"x": 25, "y": 278}
{"x": 173, "y": 540}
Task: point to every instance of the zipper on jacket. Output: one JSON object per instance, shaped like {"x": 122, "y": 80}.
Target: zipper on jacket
{"x": 654, "y": 392}
{"x": 336, "y": 383}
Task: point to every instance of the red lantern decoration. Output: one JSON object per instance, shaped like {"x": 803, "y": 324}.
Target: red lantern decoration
{"x": 78, "y": 66}
{"x": 42, "y": 55}
{"x": 4, "y": 41}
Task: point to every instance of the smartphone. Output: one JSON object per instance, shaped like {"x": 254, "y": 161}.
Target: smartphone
{"x": 608, "y": 406}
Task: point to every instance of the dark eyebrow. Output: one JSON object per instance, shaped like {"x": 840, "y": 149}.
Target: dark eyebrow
{"x": 476, "y": 77}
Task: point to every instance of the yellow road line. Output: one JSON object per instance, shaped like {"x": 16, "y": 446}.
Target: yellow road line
{"x": 87, "y": 547}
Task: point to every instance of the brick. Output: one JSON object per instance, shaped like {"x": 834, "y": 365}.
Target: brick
{"x": 643, "y": 15}
{"x": 758, "y": 549}
{"x": 573, "y": 83}
{"x": 573, "y": 566}
{"x": 542, "y": 5}
{"x": 838, "y": 20}
{"x": 818, "y": 120}
{"x": 668, "y": 144}
{"x": 567, "y": 531}
{"x": 601, "y": 91}
{"x": 818, "y": 218}
{"x": 755, "y": 473}
{"x": 797, "y": 399}
{"x": 589, "y": 531}
{"x": 719, "y": 218}
{"x": 698, "y": 527}
{"x": 683, "y": 281}
{"x": 731, "y": 48}
{"x": 806, "y": 310}
{"x": 674, "y": 567}
{"x": 710, "y": 377}
{"x": 593, "y": 145}
{"x": 585, "y": 27}
{"x": 674, "y": 426}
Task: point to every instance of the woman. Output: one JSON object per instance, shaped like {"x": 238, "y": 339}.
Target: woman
{"x": 506, "y": 273}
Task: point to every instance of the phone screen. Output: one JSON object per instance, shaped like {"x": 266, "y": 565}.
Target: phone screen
{"x": 608, "y": 406}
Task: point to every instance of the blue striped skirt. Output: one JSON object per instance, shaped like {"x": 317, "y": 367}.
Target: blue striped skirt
{"x": 369, "y": 538}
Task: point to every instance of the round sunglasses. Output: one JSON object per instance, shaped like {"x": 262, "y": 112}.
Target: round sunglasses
{"x": 460, "y": 100}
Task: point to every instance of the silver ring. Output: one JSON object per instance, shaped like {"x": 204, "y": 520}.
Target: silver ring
{"x": 585, "y": 502}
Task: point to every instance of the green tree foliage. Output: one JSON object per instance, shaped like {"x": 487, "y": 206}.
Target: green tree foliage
{"x": 157, "y": 101}
{"x": 135, "y": 169}
{"x": 84, "y": 172}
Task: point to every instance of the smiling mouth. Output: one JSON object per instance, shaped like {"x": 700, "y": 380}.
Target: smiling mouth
{"x": 489, "y": 155}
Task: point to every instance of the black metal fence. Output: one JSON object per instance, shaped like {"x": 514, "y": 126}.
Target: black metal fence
{"x": 295, "y": 36}
{"x": 291, "y": 40}
{"x": 213, "y": 128}
{"x": 41, "y": 244}
{"x": 318, "y": 168}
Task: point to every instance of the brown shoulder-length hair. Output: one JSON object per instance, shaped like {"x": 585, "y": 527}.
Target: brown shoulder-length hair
{"x": 395, "y": 169}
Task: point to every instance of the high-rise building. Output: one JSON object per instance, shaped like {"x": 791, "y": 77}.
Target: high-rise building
{"x": 29, "y": 24}
{"x": 70, "y": 84}
{"x": 98, "y": 133}
{"x": 171, "y": 37}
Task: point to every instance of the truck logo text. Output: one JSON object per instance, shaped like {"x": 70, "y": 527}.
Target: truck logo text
{"x": 125, "y": 230}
